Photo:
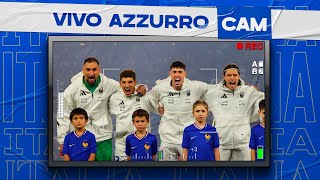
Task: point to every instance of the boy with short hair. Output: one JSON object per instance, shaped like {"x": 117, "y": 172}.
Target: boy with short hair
{"x": 122, "y": 104}
{"x": 79, "y": 145}
{"x": 257, "y": 136}
{"x": 141, "y": 145}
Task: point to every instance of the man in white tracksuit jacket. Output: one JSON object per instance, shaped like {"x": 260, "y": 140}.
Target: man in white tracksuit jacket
{"x": 91, "y": 91}
{"x": 234, "y": 106}
{"x": 177, "y": 96}
{"x": 122, "y": 104}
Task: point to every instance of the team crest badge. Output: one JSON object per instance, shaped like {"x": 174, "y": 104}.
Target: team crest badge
{"x": 188, "y": 93}
{"x": 207, "y": 136}
{"x": 241, "y": 94}
{"x": 85, "y": 144}
{"x": 146, "y": 146}
{"x": 138, "y": 99}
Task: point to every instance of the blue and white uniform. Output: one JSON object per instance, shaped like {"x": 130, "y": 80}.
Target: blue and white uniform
{"x": 257, "y": 139}
{"x": 200, "y": 142}
{"x": 79, "y": 148}
{"x": 141, "y": 149}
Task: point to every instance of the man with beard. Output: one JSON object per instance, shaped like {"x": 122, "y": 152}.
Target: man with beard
{"x": 91, "y": 91}
{"x": 122, "y": 104}
{"x": 177, "y": 95}
{"x": 234, "y": 106}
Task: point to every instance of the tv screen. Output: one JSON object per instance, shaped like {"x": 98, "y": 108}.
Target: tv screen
{"x": 212, "y": 69}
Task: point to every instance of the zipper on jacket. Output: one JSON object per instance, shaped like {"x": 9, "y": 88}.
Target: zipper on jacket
{"x": 91, "y": 119}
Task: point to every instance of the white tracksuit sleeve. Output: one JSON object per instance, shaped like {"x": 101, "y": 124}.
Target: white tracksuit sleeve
{"x": 111, "y": 102}
{"x": 154, "y": 92}
{"x": 204, "y": 87}
{"x": 111, "y": 105}
{"x": 64, "y": 123}
{"x": 208, "y": 99}
{"x": 114, "y": 84}
{"x": 151, "y": 103}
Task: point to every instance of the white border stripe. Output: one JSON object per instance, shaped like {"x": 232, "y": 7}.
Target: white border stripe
{"x": 39, "y": 17}
{"x": 295, "y": 24}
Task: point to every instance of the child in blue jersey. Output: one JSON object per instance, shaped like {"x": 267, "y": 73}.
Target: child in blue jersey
{"x": 257, "y": 136}
{"x": 79, "y": 145}
{"x": 200, "y": 140}
{"x": 141, "y": 145}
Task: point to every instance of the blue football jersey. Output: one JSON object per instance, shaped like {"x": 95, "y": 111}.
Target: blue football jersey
{"x": 141, "y": 149}
{"x": 79, "y": 148}
{"x": 257, "y": 139}
{"x": 200, "y": 142}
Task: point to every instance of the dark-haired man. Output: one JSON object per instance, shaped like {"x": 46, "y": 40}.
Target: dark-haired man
{"x": 122, "y": 104}
{"x": 91, "y": 91}
{"x": 233, "y": 105}
{"x": 177, "y": 95}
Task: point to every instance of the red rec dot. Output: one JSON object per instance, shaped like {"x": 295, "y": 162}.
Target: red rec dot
{"x": 239, "y": 46}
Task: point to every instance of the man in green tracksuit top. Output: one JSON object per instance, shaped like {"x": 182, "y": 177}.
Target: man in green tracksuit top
{"x": 91, "y": 91}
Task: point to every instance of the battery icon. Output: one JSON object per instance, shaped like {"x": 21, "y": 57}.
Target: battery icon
{"x": 260, "y": 63}
{"x": 260, "y": 152}
{"x": 160, "y": 155}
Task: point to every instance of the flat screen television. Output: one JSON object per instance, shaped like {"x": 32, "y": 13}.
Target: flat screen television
{"x": 150, "y": 57}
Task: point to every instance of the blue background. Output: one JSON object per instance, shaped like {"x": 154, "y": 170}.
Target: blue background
{"x": 244, "y": 12}
{"x": 294, "y": 108}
